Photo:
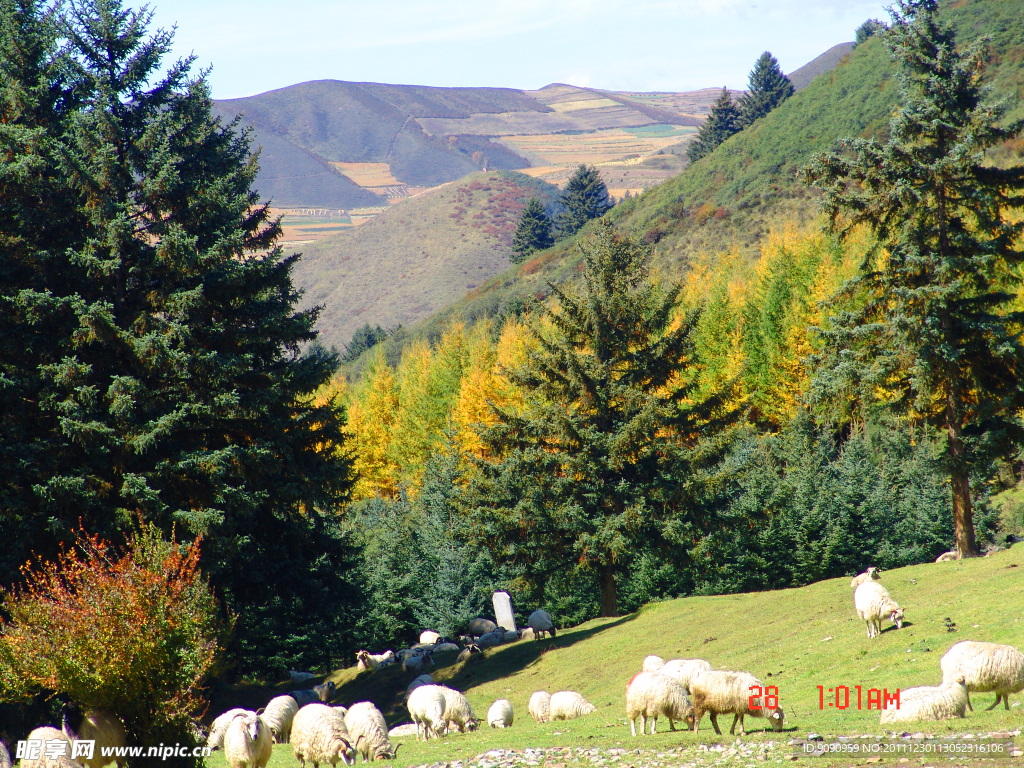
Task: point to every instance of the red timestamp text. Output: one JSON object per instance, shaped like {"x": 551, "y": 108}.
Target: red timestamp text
{"x": 846, "y": 696}
{"x": 771, "y": 697}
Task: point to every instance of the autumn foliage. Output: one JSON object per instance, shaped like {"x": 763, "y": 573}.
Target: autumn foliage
{"x": 133, "y": 632}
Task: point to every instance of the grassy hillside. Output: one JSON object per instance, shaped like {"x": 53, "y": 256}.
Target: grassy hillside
{"x": 796, "y": 639}
{"x": 826, "y": 62}
{"x": 416, "y": 257}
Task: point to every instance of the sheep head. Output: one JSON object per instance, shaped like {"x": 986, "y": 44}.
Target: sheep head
{"x": 896, "y": 617}
{"x": 775, "y": 717}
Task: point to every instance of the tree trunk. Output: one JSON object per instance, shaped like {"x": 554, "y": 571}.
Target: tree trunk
{"x": 609, "y": 599}
{"x": 960, "y": 484}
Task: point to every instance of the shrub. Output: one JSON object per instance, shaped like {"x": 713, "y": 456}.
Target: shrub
{"x": 134, "y": 633}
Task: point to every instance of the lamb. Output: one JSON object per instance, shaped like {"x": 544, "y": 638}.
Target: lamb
{"x": 874, "y": 603}
{"x": 278, "y": 715}
{"x": 684, "y": 670}
{"x": 540, "y": 622}
{"x": 421, "y": 680}
{"x": 985, "y": 667}
{"x": 871, "y": 574}
{"x": 650, "y": 694}
{"x": 46, "y": 734}
{"x": 929, "y": 703}
{"x": 458, "y": 711}
{"x": 540, "y": 706}
{"x": 430, "y": 636}
{"x": 652, "y": 664}
{"x": 93, "y": 725}
{"x": 568, "y": 705}
{"x": 479, "y": 627}
{"x": 500, "y": 714}
{"x": 247, "y": 742}
{"x": 300, "y": 677}
{"x": 216, "y": 738}
{"x": 718, "y": 693}
{"x": 426, "y": 707}
{"x": 366, "y": 660}
{"x": 320, "y": 736}
{"x": 366, "y": 725}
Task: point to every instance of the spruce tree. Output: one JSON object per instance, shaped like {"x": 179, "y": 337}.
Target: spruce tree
{"x": 767, "y": 87}
{"x": 601, "y": 461}
{"x": 365, "y": 337}
{"x": 868, "y": 29}
{"x": 722, "y": 122}
{"x": 585, "y": 197}
{"x": 164, "y": 377}
{"x": 533, "y": 233}
{"x": 929, "y": 331}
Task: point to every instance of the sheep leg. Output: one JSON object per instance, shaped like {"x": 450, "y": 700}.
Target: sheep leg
{"x": 643, "y": 723}
{"x": 969, "y": 701}
{"x": 996, "y": 703}
{"x": 671, "y": 724}
{"x": 736, "y": 719}
{"x": 714, "y": 722}
{"x": 632, "y": 726}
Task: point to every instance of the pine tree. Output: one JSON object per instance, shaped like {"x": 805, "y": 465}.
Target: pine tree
{"x": 172, "y": 386}
{"x": 722, "y": 122}
{"x": 767, "y": 87}
{"x": 533, "y": 233}
{"x": 597, "y": 463}
{"x": 868, "y": 29}
{"x": 364, "y": 338}
{"x": 929, "y": 333}
{"x": 585, "y": 197}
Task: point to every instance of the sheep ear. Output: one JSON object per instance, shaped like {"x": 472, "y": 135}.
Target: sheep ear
{"x": 260, "y": 711}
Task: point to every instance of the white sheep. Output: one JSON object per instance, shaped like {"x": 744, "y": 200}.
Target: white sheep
{"x": 652, "y": 664}
{"x": 491, "y": 639}
{"x": 985, "y": 667}
{"x": 458, "y": 711}
{"x": 511, "y": 636}
{"x": 94, "y": 725}
{"x": 247, "y": 741}
{"x": 568, "y": 705}
{"x": 367, "y": 726}
{"x": 399, "y": 731}
{"x": 540, "y": 622}
{"x": 47, "y": 734}
{"x": 216, "y": 738}
{"x": 929, "y": 703}
{"x": 300, "y": 677}
{"x": 684, "y": 670}
{"x": 366, "y": 660}
{"x": 719, "y": 693}
{"x": 440, "y": 647}
{"x": 481, "y": 626}
{"x": 421, "y": 680}
{"x": 426, "y": 707}
{"x": 430, "y": 636}
{"x": 500, "y": 714}
{"x": 540, "y": 706}
{"x": 417, "y": 663}
{"x": 874, "y": 603}
{"x": 320, "y": 736}
{"x": 651, "y": 694}
{"x": 871, "y": 574}
{"x": 278, "y": 714}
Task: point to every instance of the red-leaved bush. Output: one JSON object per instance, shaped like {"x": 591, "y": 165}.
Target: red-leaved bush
{"x": 134, "y": 633}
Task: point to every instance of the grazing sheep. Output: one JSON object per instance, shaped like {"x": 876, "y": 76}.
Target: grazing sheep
{"x": 540, "y": 706}
{"x": 985, "y": 667}
{"x": 93, "y": 725}
{"x": 650, "y": 694}
{"x": 445, "y": 647}
{"x": 426, "y": 707}
{"x": 216, "y": 738}
{"x": 468, "y": 651}
{"x": 405, "y": 729}
{"x": 491, "y": 639}
{"x": 500, "y": 714}
{"x": 871, "y": 574}
{"x": 44, "y": 734}
{"x": 247, "y": 742}
{"x": 366, "y": 660}
{"x": 684, "y": 670}
{"x": 320, "y": 736}
{"x": 652, "y": 664}
{"x": 568, "y": 705}
{"x": 479, "y": 627}
{"x": 874, "y": 603}
{"x": 300, "y": 677}
{"x": 720, "y": 693}
{"x": 929, "y": 703}
{"x": 278, "y": 714}
{"x": 421, "y": 680}
{"x": 366, "y": 725}
{"x": 430, "y": 636}
{"x": 417, "y": 663}
{"x": 458, "y": 711}
{"x": 540, "y": 622}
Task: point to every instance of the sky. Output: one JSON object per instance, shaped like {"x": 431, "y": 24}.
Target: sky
{"x": 255, "y": 46}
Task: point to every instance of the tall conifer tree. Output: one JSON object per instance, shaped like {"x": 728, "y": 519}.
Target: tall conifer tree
{"x": 931, "y": 334}
{"x": 533, "y": 233}
{"x": 767, "y": 87}
{"x": 585, "y": 197}
{"x": 723, "y": 121}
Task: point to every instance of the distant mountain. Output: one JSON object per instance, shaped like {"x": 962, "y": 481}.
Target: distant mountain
{"x": 829, "y": 60}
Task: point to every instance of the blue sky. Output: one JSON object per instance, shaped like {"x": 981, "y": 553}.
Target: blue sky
{"x": 644, "y": 45}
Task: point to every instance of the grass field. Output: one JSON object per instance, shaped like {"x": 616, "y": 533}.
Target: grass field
{"x": 796, "y": 639}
